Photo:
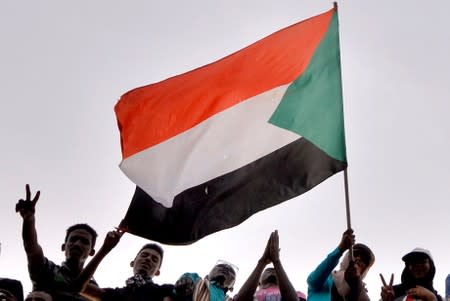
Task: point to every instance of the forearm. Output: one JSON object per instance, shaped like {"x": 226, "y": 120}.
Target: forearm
{"x": 32, "y": 248}
{"x": 249, "y": 287}
{"x": 81, "y": 283}
{"x": 29, "y": 235}
{"x": 318, "y": 277}
{"x": 287, "y": 290}
{"x": 92, "y": 292}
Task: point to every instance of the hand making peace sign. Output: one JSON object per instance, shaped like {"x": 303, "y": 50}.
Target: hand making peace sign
{"x": 387, "y": 291}
{"x": 26, "y": 207}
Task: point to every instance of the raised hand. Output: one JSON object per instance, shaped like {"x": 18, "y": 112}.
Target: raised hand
{"x": 347, "y": 240}
{"x": 112, "y": 239}
{"x": 26, "y": 207}
{"x": 265, "y": 258}
{"x": 387, "y": 292}
{"x": 274, "y": 247}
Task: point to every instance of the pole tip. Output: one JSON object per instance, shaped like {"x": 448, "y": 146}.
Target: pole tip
{"x": 335, "y": 5}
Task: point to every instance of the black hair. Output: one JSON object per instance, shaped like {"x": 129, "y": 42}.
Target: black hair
{"x": 364, "y": 253}
{"x": 12, "y": 286}
{"x": 155, "y": 247}
{"x": 82, "y": 227}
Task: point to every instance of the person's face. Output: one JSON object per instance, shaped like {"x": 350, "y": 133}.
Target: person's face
{"x": 147, "y": 263}
{"x": 419, "y": 267}
{"x": 359, "y": 264}
{"x": 78, "y": 245}
{"x": 223, "y": 274}
{"x": 268, "y": 277}
{"x": 361, "y": 260}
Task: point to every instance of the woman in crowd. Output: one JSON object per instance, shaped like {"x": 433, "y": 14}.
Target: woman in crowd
{"x": 416, "y": 280}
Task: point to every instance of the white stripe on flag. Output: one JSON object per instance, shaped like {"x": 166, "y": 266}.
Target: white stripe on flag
{"x": 220, "y": 144}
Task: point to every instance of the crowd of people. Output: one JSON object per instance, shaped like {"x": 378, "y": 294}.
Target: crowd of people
{"x": 73, "y": 280}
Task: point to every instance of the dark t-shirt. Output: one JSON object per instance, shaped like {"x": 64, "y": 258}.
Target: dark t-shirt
{"x": 55, "y": 280}
{"x": 147, "y": 292}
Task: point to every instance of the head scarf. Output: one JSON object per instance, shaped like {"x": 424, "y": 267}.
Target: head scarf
{"x": 408, "y": 280}
{"x": 367, "y": 257}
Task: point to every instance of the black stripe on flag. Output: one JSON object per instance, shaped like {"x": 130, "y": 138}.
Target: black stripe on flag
{"x": 228, "y": 200}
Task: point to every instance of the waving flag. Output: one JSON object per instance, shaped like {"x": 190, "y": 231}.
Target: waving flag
{"x": 210, "y": 147}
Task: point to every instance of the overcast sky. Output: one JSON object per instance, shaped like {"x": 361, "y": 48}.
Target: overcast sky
{"x": 63, "y": 66}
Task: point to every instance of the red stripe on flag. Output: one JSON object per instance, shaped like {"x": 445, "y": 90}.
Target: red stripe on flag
{"x": 157, "y": 112}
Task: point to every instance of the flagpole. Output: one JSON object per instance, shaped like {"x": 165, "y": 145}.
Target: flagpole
{"x": 347, "y": 209}
{"x": 347, "y": 197}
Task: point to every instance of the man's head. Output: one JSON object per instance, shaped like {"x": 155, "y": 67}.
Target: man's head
{"x": 268, "y": 278}
{"x": 11, "y": 289}
{"x": 224, "y": 275}
{"x": 79, "y": 242}
{"x": 148, "y": 260}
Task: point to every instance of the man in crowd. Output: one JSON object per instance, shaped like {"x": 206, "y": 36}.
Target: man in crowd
{"x": 139, "y": 287}
{"x": 46, "y": 275}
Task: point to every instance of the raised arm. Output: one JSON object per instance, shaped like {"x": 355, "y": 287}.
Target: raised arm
{"x": 287, "y": 290}
{"x": 81, "y": 284}
{"x": 317, "y": 279}
{"x": 249, "y": 287}
{"x": 26, "y": 208}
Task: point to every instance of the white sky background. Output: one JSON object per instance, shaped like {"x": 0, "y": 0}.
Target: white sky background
{"x": 63, "y": 66}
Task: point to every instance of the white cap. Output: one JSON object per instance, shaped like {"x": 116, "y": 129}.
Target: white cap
{"x": 417, "y": 251}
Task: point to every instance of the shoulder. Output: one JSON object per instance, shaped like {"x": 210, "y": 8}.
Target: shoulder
{"x": 48, "y": 268}
{"x": 50, "y": 265}
{"x": 161, "y": 289}
{"x": 114, "y": 294}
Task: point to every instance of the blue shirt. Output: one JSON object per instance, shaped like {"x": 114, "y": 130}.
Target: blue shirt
{"x": 320, "y": 280}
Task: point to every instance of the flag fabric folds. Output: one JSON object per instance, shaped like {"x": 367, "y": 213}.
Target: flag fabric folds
{"x": 210, "y": 147}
